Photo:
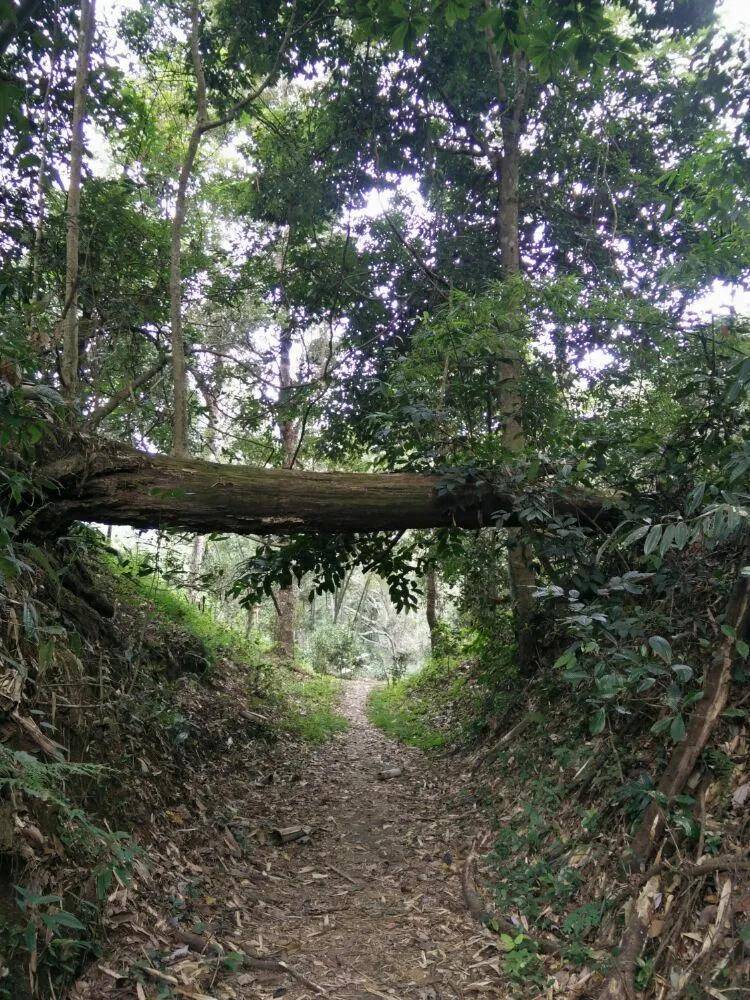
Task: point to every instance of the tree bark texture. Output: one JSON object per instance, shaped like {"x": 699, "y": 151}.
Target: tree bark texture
{"x": 112, "y": 483}
{"x": 69, "y": 366}
{"x": 431, "y": 604}
{"x": 512, "y": 108}
{"x": 286, "y": 598}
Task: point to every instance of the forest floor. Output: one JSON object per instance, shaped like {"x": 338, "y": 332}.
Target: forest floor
{"x": 368, "y": 904}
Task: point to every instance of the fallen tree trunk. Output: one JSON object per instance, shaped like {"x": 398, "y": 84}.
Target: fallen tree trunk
{"x": 111, "y": 483}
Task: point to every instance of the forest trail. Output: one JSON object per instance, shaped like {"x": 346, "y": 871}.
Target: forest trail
{"x": 370, "y": 905}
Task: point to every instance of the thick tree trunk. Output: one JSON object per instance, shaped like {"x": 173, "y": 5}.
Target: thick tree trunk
{"x": 109, "y": 482}
{"x": 69, "y": 366}
{"x": 520, "y": 559}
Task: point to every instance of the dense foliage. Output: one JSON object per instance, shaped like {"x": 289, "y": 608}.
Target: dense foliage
{"x": 507, "y": 244}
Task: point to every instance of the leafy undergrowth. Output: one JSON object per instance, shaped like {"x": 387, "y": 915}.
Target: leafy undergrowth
{"x": 561, "y": 804}
{"x": 430, "y": 709}
{"x": 138, "y": 707}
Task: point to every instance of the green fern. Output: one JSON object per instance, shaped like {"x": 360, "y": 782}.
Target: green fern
{"x": 37, "y": 779}
{"x": 719, "y": 763}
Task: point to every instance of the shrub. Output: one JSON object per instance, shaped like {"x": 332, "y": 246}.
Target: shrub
{"x": 334, "y": 649}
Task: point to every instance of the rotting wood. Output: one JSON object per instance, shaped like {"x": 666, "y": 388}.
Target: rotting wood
{"x": 32, "y": 730}
{"x": 288, "y": 834}
{"x": 195, "y": 942}
{"x": 386, "y": 773}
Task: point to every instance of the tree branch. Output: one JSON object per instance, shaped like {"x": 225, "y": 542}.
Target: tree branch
{"x": 104, "y": 409}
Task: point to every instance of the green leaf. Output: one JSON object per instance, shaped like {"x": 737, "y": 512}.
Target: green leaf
{"x": 103, "y": 882}
{"x": 694, "y": 498}
{"x": 692, "y": 699}
{"x": 661, "y": 726}
{"x": 65, "y": 919}
{"x": 683, "y": 671}
{"x": 568, "y": 657}
{"x": 661, "y": 648}
{"x": 742, "y": 648}
{"x": 677, "y": 729}
{"x": 734, "y": 713}
{"x": 62, "y": 919}
{"x": 29, "y": 937}
{"x": 597, "y": 721}
{"x": 667, "y": 539}
{"x": 397, "y": 40}
{"x": 681, "y": 535}
{"x": 635, "y": 535}
{"x": 652, "y": 539}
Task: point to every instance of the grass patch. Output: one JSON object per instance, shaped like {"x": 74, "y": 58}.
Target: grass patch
{"x": 306, "y": 708}
{"x": 312, "y": 710}
{"x": 389, "y": 709}
{"x": 430, "y": 709}
{"x": 174, "y": 606}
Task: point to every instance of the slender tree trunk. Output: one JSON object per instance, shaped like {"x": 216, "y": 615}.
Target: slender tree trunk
{"x": 313, "y": 620}
{"x": 69, "y": 366}
{"x": 211, "y": 391}
{"x": 286, "y": 599}
{"x": 251, "y": 622}
{"x": 431, "y": 604}
{"x": 201, "y": 127}
{"x": 520, "y": 565}
{"x": 340, "y": 595}
{"x": 197, "y": 555}
{"x": 177, "y": 339}
{"x": 41, "y": 187}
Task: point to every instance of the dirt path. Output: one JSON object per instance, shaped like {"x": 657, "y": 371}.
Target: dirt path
{"x": 369, "y": 905}
{"x": 402, "y": 929}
